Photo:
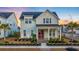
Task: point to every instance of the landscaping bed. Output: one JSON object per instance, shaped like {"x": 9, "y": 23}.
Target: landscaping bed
{"x": 57, "y": 42}
{"x": 61, "y": 44}
{"x": 19, "y": 42}
{"x": 36, "y": 44}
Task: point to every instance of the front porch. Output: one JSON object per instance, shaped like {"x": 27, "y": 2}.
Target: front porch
{"x": 45, "y": 33}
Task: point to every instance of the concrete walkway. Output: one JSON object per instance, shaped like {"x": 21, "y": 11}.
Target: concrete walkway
{"x": 43, "y": 45}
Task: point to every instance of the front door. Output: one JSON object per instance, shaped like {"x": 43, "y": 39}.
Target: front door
{"x": 41, "y": 34}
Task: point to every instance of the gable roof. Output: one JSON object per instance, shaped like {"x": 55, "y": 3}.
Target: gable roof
{"x": 36, "y": 14}
{"x": 5, "y": 14}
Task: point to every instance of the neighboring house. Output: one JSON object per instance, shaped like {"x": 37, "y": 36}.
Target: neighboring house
{"x": 10, "y": 19}
{"x": 64, "y": 29}
{"x": 43, "y": 24}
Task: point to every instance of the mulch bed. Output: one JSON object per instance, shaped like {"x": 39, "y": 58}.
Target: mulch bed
{"x": 61, "y": 44}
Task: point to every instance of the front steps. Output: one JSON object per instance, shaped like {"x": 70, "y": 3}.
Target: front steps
{"x": 42, "y": 41}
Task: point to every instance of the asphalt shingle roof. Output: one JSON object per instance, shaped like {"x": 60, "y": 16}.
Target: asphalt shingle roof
{"x": 5, "y": 14}
{"x": 35, "y": 14}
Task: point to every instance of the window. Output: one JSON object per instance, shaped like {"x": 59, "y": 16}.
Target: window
{"x": 26, "y": 21}
{"x": 50, "y": 32}
{"x": 44, "y": 20}
{"x": 54, "y": 33}
{"x": 47, "y": 20}
{"x": 50, "y": 20}
{"x": 30, "y": 21}
{"x": 24, "y": 32}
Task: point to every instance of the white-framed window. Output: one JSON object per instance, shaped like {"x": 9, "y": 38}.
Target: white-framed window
{"x": 47, "y": 20}
{"x": 24, "y": 32}
{"x": 54, "y": 33}
{"x": 50, "y": 20}
{"x": 43, "y": 20}
{"x": 28, "y": 21}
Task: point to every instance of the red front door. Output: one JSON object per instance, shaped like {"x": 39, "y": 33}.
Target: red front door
{"x": 41, "y": 34}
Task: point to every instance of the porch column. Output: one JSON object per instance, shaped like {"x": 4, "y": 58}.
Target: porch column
{"x": 56, "y": 33}
{"x": 60, "y": 34}
{"x": 48, "y": 34}
{"x": 37, "y": 33}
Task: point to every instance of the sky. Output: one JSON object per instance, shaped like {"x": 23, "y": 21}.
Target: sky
{"x": 64, "y": 13}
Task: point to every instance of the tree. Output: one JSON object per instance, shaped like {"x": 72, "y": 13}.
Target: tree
{"x": 71, "y": 26}
{"x": 4, "y": 27}
{"x": 33, "y": 37}
{"x": 15, "y": 34}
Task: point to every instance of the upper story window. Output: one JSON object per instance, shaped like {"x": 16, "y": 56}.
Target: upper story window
{"x": 44, "y": 20}
{"x": 47, "y": 20}
{"x": 28, "y": 21}
{"x": 50, "y": 20}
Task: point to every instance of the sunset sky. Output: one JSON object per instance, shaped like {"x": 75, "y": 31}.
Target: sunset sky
{"x": 64, "y": 13}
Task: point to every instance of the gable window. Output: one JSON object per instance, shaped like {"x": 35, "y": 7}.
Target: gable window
{"x": 50, "y": 20}
{"x": 44, "y": 20}
{"x": 24, "y": 32}
{"x": 47, "y": 20}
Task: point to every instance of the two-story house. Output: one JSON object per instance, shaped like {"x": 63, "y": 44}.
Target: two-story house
{"x": 10, "y": 19}
{"x": 43, "y": 24}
